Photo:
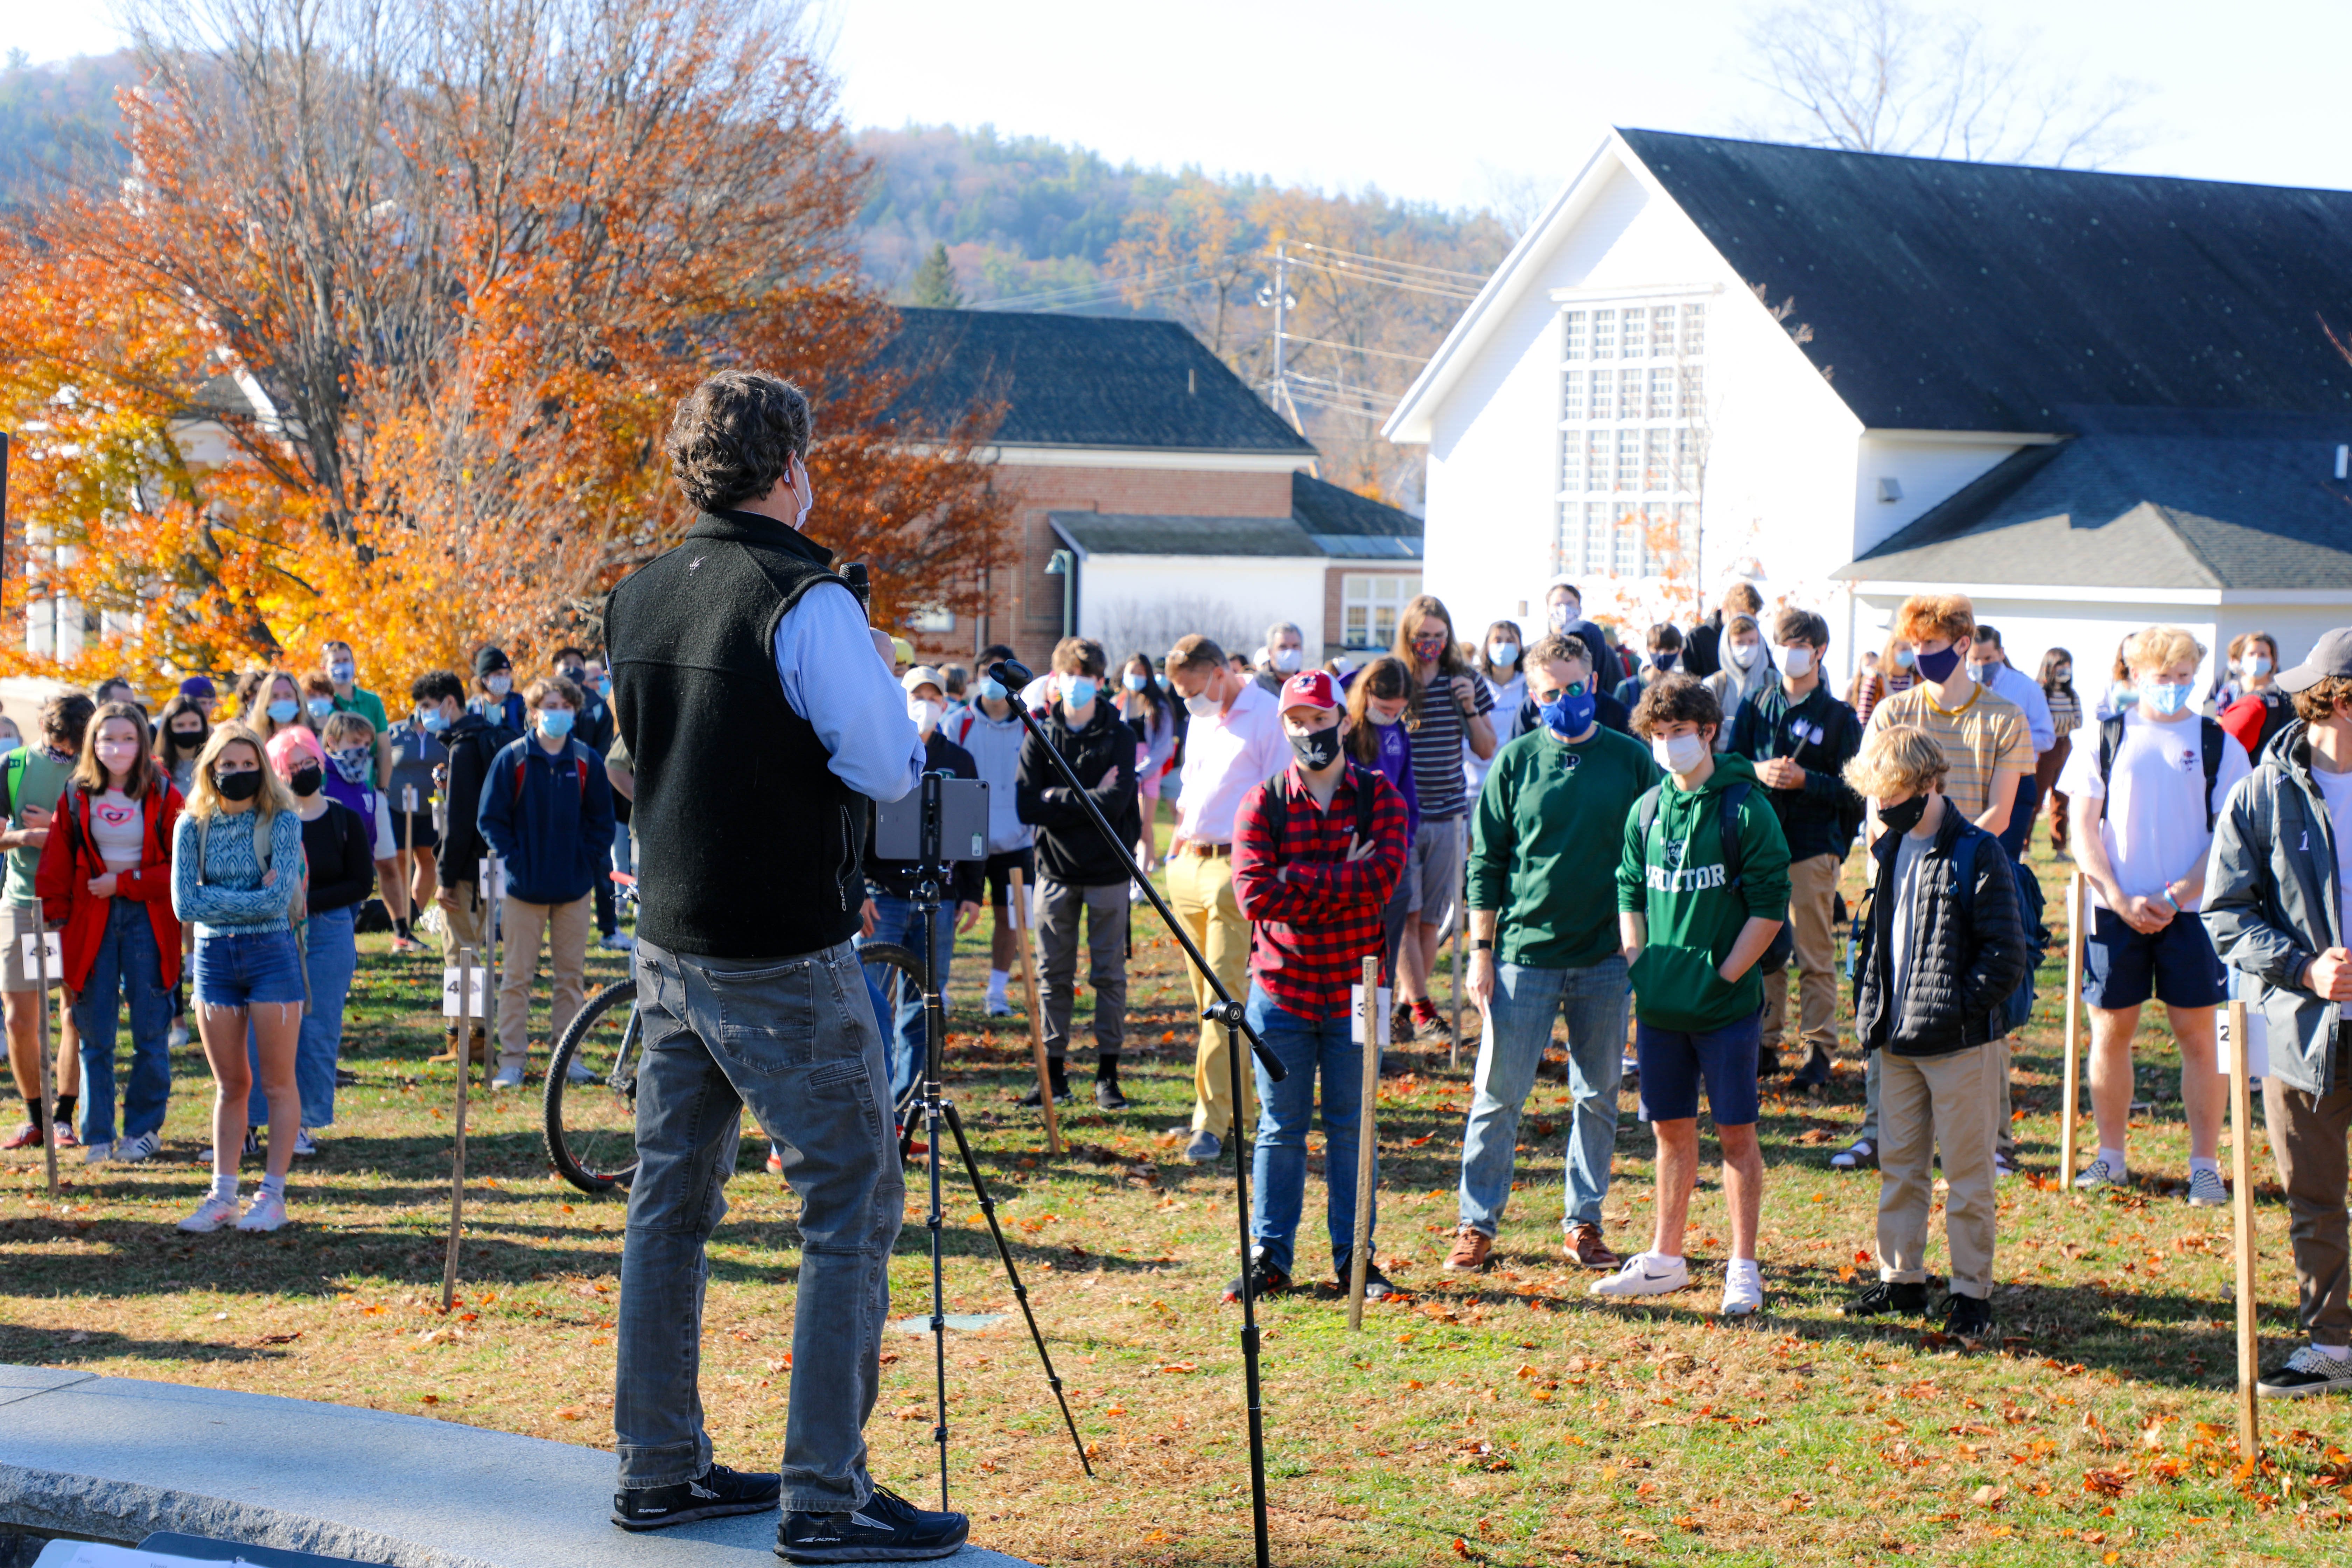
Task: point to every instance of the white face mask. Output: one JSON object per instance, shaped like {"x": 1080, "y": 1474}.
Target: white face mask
{"x": 926, "y": 715}
{"x": 1796, "y": 663}
{"x": 1679, "y": 753}
{"x": 1743, "y": 654}
{"x": 1202, "y": 705}
{"x": 498, "y": 685}
{"x": 1285, "y": 660}
{"x": 2256, "y": 664}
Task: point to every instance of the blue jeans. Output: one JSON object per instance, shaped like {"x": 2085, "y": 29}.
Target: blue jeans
{"x": 899, "y": 1015}
{"x": 128, "y": 969}
{"x": 331, "y": 955}
{"x": 248, "y": 968}
{"x": 1308, "y": 1047}
{"x": 1526, "y": 1000}
{"x": 795, "y": 1039}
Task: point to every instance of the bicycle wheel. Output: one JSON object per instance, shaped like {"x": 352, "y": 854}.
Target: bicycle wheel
{"x": 592, "y": 1092}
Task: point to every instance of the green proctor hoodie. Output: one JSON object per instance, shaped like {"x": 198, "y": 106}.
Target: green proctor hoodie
{"x": 1674, "y": 875}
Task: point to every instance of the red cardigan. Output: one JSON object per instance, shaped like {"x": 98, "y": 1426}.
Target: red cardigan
{"x": 70, "y": 860}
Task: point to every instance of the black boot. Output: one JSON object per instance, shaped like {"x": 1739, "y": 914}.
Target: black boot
{"x": 1107, "y": 1094}
{"x": 1058, "y": 1075}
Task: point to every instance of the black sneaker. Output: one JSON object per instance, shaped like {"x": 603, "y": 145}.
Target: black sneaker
{"x": 1967, "y": 1317}
{"x": 1107, "y": 1095}
{"x": 1265, "y": 1281}
{"x": 717, "y": 1491}
{"x": 1885, "y": 1297}
{"x": 1378, "y": 1287}
{"x": 2308, "y": 1371}
{"x": 889, "y": 1529}
{"x": 1061, "y": 1093}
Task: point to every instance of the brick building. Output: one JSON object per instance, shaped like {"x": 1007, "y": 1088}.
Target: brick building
{"x": 1168, "y": 495}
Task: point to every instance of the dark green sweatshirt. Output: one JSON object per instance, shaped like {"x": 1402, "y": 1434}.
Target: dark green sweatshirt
{"x": 1675, "y": 875}
{"x": 1545, "y": 838}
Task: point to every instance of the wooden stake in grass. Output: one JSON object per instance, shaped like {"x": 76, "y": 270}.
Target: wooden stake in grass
{"x": 2241, "y": 1210}
{"x": 1461, "y": 919}
{"x": 1368, "y": 1019}
{"x": 2072, "y": 1092}
{"x": 457, "y": 1166}
{"x": 1017, "y": 906}
{"x": 41, "y": 971}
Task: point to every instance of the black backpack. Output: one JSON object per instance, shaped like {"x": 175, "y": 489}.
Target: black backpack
{"x": 2211, "y": 737}
{"x": 1728, "y": 817}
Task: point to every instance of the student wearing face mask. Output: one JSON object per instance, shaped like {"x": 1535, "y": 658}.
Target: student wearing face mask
{"x": 2254, "y": 661}
{"x": 10, "y": 736}
{"x": 2065, "y": 718}
{"x": 597, "y": 682}
{"x": 348, "y": 741}
{"x": 31, "y": 779}
{"x": 338, "y": 867}
{"x": 1144, "y": 703}
{"x": 105, "y": 883}
{"x": 1703, "y": 649}
{"x": 1663, "y": 653}
{"x": 1498, "y": 664}
{"x": 179, "y": 735}
{"x": 991, "y": 732}
{"x": 1316, "y": 853}
{"x": 420, "y": 761}
{"x": 2255, "y": 707}
{"x": 1799, "y": 739}
{"x": 1549, "y": 830}
{"x": 1896, "y": 671}
{"x": 1564, "y": 614}
{"x": 274, "y": 704}
{"x": 1747, "y": 671}
{"x": 494, "y": 689}
{"x": 474, "y": 741}
{"x": 1078, "y": 875}
{"x": 1283, "y": 656}
{"x": 1455, "y": 714}
{"x": 2146, "y": 791}
{"x": 1988, "y": 666}
{"x": 1702, "y": 890}
{"x": 890, "y": 913}
{"x": 1383, "y": 705}
{"x": 594, "y": 729}
{"x": 547, "y": 811}
{"x": 342, "y": 669}
{"x": 1234, "y": 742}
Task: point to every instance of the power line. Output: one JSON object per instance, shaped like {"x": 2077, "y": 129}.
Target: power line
{"x": 1080, "y": 292}
{"x": 1354, "y": 349}
{"x": 1476, "y": 278}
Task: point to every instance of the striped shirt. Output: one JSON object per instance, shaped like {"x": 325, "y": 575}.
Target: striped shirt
{"x": 1437, "y": 772}
{"x": 1986, "y": 734}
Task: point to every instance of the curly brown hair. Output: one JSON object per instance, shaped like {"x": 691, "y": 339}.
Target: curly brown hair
{"x": 2316, "y": 704}
{"x": 1677, "y": 699}
{"x": 735, "y": 436}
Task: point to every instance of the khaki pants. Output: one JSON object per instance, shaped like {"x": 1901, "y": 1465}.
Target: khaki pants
{"x": 1812, "y": 897}
{"x": 2307, "y": 1140}
{"x": 1925, "y": 1102}
{"x": 1201, "y": 892}
{"x": 565, "y": 928}
{"x": 468, "y": 925}
{"x": 2004, "y": 1126}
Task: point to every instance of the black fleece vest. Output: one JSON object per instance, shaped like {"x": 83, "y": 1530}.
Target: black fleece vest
{"x": 749, "y": 843}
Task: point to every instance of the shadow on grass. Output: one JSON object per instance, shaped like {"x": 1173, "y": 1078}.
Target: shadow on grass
{"x": 69, "y": 1347}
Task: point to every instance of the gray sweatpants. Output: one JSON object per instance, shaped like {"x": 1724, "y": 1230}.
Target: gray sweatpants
{"x": 1059, "y": 908}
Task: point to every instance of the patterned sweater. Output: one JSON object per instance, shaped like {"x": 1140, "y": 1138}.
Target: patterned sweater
{"x": 231, "y": 901}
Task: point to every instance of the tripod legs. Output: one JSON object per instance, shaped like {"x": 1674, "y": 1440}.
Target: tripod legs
{"x": 1230, "y": 1015}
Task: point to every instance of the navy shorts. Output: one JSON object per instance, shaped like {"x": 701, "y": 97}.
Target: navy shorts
{"x": 2123, "y": 967}
{"x": 238, "y": 969}
{"x": 1000, "y": 874}
{"x": 1674, "y": 1062}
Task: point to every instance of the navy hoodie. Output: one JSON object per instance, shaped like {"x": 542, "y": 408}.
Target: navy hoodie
{"x": 553, "y": 827}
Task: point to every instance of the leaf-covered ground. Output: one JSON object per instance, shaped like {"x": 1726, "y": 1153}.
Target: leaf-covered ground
{"x": 1506, "y": 1419}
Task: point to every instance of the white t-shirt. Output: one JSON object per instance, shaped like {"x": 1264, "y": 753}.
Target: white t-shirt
{"x": 2337, "y": 790}
{"x": 2155, "y": 829}
{"x": 116, "y": 826}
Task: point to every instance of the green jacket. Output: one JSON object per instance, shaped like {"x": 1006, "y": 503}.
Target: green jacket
{"x": 1674, "y": 875}
{"x": 1544, "y": 840}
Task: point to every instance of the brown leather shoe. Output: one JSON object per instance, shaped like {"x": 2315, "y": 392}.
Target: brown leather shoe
{"x": 449, "y": 1053}
{"x": 1585, "y": 1246}
{"x": 1471, "y": 1247}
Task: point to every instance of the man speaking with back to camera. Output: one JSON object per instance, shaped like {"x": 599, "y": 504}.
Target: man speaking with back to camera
{"x": 762, "y": 716}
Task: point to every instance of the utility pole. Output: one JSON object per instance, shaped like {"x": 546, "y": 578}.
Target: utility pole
{"x": 1282, "y": 302}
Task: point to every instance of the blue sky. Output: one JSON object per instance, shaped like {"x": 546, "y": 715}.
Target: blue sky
{"x": 1435, "y": 102}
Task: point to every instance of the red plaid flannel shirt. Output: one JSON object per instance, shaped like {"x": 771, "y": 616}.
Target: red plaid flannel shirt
{"x": 1315, "y": 914}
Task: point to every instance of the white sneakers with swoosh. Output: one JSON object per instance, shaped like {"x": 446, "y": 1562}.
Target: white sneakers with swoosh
{"x": 1643, "y": 1275}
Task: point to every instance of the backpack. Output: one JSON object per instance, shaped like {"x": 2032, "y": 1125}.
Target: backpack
{"x": 1735, "y": 801}
{"x": 1963, "y": 882}
{"x": 2211, "y": 736}
{"x": 578, "y": 762}
{"x": 1278, "y": 800}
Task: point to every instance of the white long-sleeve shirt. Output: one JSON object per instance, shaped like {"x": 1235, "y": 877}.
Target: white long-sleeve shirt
{"x": 1225, "y": 756}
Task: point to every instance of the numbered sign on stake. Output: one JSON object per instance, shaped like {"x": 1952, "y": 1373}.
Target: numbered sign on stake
{"x": 2258, "y": 1043}
{"x": 55, "y": 968}
{"x": 481, "y": 997}
{"x": 1356, "y": 1014}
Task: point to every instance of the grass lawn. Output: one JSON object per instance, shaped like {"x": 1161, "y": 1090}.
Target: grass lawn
{"x": 1502, "y": 1419}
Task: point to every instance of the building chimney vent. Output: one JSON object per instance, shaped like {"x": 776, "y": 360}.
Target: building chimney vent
{"x": 1890, "y": 490}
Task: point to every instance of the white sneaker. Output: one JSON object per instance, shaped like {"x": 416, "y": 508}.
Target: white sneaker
{"x": 2099, "y": 1173}
{"x": 144, "y": 1147}
{"x": 303, "y": 1142}
{"x": 1743, "y": 1287}
{"x": 97, "y": 1153}
{"x": 619, "y": 942}
{"x": 1861, "y": 1152}
{"x": 577, "y": 1071}
{"x": 210, "y": 1215}
{"x": 177, "y": 1038}
{"x": 999, "y": 1007}
{"x": 1643, "y": 1276}
{"x": 2207, "y": 1190}
{"x": 506, "y": 1078}
{"x": 267, "y": 1212}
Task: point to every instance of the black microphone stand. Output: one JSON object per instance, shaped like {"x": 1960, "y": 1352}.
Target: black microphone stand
{"x": 1225, "y": 1010}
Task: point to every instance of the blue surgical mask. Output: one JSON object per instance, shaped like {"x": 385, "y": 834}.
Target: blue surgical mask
{"x": 1905, "y": 658}
{"x": 342, "y": 674}
{"x": 1504, "y": 655}
{"x": 1077, "y": 691}
{"x": 283, "y": 710}
{"x": 2167, "y": 698}
{"x": 432, "y": 720}
{"x": 320, "y": 707}
{"x": 1569, "y": 712}
{"x": 604, "y": 686}
{"x": 8, "y": 743}
{"x": 1136, "y": 682}
{"x": 555, "y": 721}
{"x": 993, "y": 689}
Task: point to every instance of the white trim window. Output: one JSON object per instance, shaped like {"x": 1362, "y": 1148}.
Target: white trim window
{"x": 1632, "y": 436}
{"x": 1370, "y": 603}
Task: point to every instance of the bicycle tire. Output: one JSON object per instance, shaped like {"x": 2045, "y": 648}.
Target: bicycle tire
{"x": 593, "y": 1143}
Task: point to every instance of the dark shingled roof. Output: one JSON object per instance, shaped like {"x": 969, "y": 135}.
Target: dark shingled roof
{"x": 1986, "y": 296}
{"x": 1082, "y": 381}
{"x": 1324, "y": 520}
{"x": 2149, "y": 498}
{"x": 1343, "y": 523}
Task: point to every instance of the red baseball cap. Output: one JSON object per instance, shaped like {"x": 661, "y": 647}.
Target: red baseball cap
{"x": 1310, "y": 689}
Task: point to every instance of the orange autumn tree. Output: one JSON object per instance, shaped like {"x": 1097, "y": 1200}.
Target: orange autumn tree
{"x": 468, "y": 255}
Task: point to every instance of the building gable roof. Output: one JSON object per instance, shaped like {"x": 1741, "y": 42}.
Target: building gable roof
{"x": 1957, "y": 296}
{"x": 2147, "y": 499}
{"x": 1324, "y": 520}
{"x": 1081, "y": 380}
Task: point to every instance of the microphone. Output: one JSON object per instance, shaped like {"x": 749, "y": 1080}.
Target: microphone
{"x": 1011, "y": 674}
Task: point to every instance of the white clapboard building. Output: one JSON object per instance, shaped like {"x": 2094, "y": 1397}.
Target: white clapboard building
{"x": 2089, "y": 401}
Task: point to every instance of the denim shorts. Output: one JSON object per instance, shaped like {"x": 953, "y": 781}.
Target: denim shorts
{"x": 1674, "y": 1062}
{"x": 2123, "y": 967}
{"x": 238, "y": 969}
